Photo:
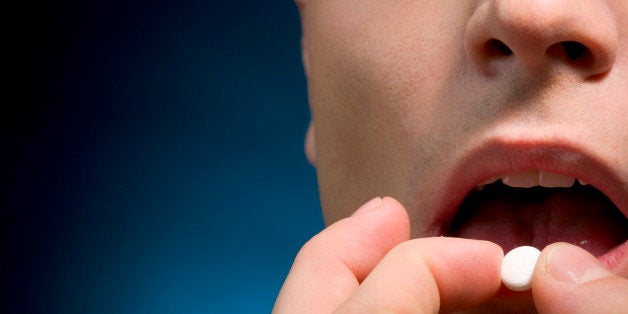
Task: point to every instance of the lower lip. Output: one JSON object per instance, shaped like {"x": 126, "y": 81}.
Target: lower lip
{"x": 616, "y": 260}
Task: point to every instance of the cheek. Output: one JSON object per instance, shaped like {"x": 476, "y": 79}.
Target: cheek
{"x": 379, "y": 69}
{"x": 383, "y": 61}
{"x": 383, "y": 52}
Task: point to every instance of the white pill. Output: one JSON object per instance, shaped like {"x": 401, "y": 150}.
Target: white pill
{"x": 518, "y": 267}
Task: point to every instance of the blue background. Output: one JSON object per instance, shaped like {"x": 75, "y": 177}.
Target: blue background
{"x": 152, "y": 156}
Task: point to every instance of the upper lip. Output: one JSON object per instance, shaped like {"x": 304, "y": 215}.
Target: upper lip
{"x": 498, "y": 156}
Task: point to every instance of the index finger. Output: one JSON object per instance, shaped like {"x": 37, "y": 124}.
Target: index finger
{"x": 330, "y": 266}
{"x": 429, "y": 275}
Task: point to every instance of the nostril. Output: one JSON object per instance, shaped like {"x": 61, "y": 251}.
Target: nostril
{"x": 495, "y": 48}
{"x": 572, "y": 52}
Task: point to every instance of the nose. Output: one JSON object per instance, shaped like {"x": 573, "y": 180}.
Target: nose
{"x": 539, "y": 34}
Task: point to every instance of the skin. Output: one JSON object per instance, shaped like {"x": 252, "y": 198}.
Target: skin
{"x": 402, "y": 91}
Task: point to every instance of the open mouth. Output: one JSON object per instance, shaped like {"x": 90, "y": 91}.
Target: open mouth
{"x": 514, "y": 194}
{"x": 538, "y": 208}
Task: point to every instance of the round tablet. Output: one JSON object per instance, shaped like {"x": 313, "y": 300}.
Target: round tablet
{"x": 518, "y": 267}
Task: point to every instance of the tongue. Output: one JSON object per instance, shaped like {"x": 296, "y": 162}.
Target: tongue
{"x": 539, "y": 216}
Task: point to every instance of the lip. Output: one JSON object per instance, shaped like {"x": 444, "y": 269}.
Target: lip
{"x": 500, "y": 156}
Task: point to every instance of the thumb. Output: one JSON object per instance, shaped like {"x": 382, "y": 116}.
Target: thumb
{"x": 568, "y": 279}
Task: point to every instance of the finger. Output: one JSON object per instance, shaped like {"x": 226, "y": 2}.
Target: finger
{"x": 568, "y": 279}
{"x": 332, "y": 264}
{"x": 429, "y": 275}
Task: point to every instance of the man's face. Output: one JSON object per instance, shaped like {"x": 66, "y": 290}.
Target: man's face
{"x": 426, "y": 100}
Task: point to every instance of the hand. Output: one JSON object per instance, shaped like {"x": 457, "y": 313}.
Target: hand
{"x": 366, "y": 263}
{"x": 568, "y": 279}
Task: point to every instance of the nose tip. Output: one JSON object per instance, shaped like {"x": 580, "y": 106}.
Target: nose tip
{"x": 537, "y": 34}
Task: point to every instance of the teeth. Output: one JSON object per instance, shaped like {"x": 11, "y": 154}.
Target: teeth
{"x": 524, "y": 179}
{"x": 553, "y": 180}
{"x": 532, "y": 178}
{"x": 481, "y": 186}
{"x": 491, "y": 180}
{"x": 582, "y": 182}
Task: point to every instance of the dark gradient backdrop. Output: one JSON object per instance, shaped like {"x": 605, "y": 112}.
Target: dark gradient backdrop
{"x": 151, "y": 156}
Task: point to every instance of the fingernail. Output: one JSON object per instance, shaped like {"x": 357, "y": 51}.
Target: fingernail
{"x": 367, "y": 207}
{"x": 568, "y": 263}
